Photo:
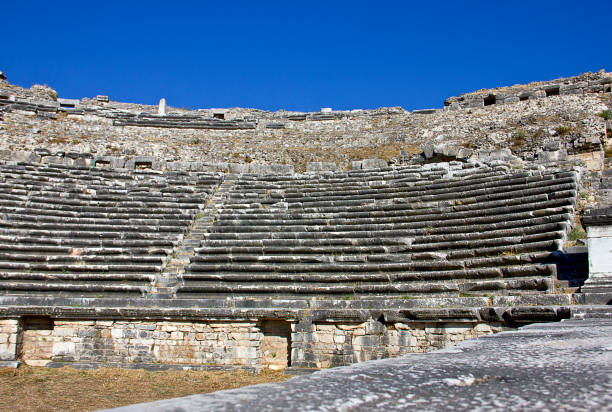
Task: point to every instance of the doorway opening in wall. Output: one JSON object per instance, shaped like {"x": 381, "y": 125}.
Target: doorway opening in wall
{"x": 489, "y": 100}
{"x": 607, "y": 88}
{"x": 553, "y": 91}
{"x": 276, "y": 344}
{"x": 220, "y": 116}
{"x": 143, "y": 165}
{"x": 36, "y": 323}
{"x": 524, "y": 97}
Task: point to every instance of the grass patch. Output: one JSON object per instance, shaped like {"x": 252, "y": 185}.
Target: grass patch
{"x": 518, "y": 139}
{"x": 605, "y": 114}
{"x": 576, "y": 234}
{"x": 58, "y": 140}
{"x": 563, "y": 130}
{"x": 67, "y": 389}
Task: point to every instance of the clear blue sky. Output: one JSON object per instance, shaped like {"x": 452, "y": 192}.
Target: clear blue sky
{"x": 298, "y": 55}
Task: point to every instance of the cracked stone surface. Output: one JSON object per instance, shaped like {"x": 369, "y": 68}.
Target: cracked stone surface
{"x": 546, "y": 367}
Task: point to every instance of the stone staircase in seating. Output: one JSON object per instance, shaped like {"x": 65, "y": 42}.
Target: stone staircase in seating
{"x": 168, "y": 281}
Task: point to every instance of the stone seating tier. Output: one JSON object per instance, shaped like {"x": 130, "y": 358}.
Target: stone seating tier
{"x": 78, "y": 231}
{"x": 409, "y": 232}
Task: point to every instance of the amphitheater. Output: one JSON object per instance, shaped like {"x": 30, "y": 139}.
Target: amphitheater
{"x": 147, "y": 236}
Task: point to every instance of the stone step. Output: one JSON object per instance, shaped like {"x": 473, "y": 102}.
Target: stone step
{"x": 306, "y": 185}
{"x": 78, "y": 268}
{"x": 592, "y": 312}
{"x": 415, "y": 222}
{"x": 406, "y": 231}
{"x": 82, "y": 234}
{"x": 352, "y": 267}
{"x": 77, "y": 259}
{"x": 79, "y": 289}
{"x": 107, "y": 214}
{"x": 140, "y": 210}
{"x": 532, "y": 285}
{"x": 80, "y": 242}
{"x": 66, "y": 227}
{"x": 16, "y": 216}
{"x": 145, "y": 278}
{"x": 524, "y": 271}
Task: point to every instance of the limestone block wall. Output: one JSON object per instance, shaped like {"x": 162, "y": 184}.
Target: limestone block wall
{"x": 9, "y": 339}
{"x": 324, "y": 345}
{"x": 114, "y": 341}
{"x": 274, "y": 344}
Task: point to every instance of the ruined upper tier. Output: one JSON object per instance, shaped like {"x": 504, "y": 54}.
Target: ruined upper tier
{"x": 529, "y": 129}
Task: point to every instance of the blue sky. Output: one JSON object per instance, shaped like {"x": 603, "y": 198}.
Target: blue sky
{"x": 298, "y": 55}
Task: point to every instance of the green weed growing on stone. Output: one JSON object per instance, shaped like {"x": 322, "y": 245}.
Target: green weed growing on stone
{"x": 563, "y": 130}
{"x": 577, "y": 234}
{"x": 605, "y": 114}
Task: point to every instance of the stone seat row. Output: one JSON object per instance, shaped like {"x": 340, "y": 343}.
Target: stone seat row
{"x": 109, "y": 214}
{"x": 57, "y": 250}
{"x": 378, "y": 177}
{"x": 81, "y": 195}
{"x": 146, "y": 179}
{"x": 159, "y": 221}
{"x": 128, "y": 245}
{"x": 403, "y": 230}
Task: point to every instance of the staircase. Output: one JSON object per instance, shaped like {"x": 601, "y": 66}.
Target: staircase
{"x": 167, "y": 281}
{"x": 592, "y": 312}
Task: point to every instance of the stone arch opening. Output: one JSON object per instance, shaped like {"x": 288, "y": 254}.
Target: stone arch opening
{"x": 490, "y": 100}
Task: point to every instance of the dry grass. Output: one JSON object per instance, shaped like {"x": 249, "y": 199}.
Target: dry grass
{"x": 67, "y": 389}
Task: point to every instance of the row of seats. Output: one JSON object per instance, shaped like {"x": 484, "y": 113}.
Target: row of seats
{"x": 443, "y": 230}
{"x": 70, "y": 231}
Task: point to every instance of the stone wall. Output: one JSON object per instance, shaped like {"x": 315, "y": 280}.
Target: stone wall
{"x": 328, "y": 344}
{"x": 9, "y": 339}
{"x": 600, "y": 82}
{"x": 121, "y": 342}
{"x": 274, "y": 344}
